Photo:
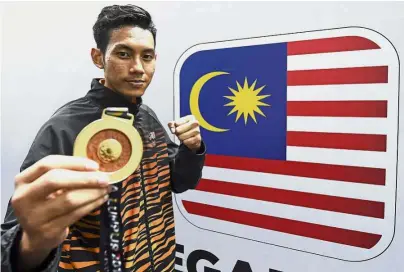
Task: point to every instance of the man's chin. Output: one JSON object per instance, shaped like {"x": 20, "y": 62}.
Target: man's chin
{"x": 137, "y": 93}
{"x": 133, "y": 94}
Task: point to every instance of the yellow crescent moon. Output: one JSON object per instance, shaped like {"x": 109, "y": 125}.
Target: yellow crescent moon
{"x": 194, "y": 101}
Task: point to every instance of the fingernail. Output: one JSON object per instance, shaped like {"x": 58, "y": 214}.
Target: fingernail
{"x": 92, "y": 165}
{"x": 106, "y": 197}
{"x": 173, "y": 130}
{"x": 109, "y": 189}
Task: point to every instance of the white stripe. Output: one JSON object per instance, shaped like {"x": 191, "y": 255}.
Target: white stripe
{"x": 338, "y": 157}
{"x": 337, "y": 60}
{"x": 338, "y": 124}
{"x": 300, "y": 184}
{"x": 367, "y": 92}
{"x": 326, "y": 218}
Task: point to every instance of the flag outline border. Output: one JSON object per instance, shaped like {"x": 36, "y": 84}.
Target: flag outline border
{"x": 177, "y": 70}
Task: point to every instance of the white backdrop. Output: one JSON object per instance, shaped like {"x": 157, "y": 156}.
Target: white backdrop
{"x": 46, "y": 62}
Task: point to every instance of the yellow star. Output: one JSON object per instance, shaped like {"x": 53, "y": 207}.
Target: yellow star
{"x": 247, "y": 101}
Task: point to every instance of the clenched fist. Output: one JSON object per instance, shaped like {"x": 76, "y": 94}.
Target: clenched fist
{"x": 188, "y": 132}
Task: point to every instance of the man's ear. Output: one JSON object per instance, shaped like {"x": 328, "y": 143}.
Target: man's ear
{"x": 97, "y": 57}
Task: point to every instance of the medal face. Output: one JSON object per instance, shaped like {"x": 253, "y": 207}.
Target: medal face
{"x": 113, "y": 143}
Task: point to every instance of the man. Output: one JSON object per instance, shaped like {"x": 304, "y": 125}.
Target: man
{"x": 56, "y": 219}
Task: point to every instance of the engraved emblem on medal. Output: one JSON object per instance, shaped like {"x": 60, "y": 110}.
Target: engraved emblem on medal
{"x": 112, "y": 142}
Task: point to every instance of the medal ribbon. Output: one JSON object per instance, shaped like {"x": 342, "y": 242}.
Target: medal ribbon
{"x": 118, "y": 112}
{"x": 111, "y": 250}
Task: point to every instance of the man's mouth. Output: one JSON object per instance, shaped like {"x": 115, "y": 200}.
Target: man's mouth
{"x": 136, "y": 82}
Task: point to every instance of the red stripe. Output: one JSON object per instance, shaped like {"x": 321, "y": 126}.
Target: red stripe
{"x": 337, "y": 108}
{"x": 315, "y": 231}
{"x": 355, "y": 174}
{"x": 356, "y": 75}
{"x": 309, "y": 200}
{"x": 367, "y": 142}
{"x": 328, "y": 45}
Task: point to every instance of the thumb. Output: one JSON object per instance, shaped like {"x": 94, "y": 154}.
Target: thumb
{"x": 67, "y": 231}
{"x": 171, "y": 125}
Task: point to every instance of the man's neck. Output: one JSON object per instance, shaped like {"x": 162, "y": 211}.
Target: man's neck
{"x": 133, "y": 100}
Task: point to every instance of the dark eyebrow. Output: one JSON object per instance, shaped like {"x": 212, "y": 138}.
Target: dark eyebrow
{"x": 125, "y": 47}
{"x": 122, "y": 46}
{"x": 148, "y": 51}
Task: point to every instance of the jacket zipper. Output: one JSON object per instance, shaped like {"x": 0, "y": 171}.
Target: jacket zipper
{"x": 146, "y": 220}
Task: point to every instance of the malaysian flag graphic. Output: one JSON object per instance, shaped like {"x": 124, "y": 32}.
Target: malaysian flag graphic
{"x": 301, "y": 134}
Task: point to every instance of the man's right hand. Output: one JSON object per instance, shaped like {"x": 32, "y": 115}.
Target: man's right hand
{"x": 50, "y": 196}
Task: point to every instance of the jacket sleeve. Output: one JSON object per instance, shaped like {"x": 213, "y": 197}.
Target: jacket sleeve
{"x": 185, "y": 166}
{"x": 47, "y": 142}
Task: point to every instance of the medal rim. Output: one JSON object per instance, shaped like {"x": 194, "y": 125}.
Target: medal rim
{"x": 122, "y": 125}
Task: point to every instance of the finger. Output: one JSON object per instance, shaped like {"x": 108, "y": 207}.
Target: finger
{"x": 74, "y": 216}
{"x": 55, "y": 194}
{"x": 68, "y": 202}
{"x": 54, "y": 162}
{"x": 61, "y": 179}
{"x": 184, "y": 120}
{"x": 194, "y": 124}
{"x": 193, "y": 142}
{"x": 189, "y": 134}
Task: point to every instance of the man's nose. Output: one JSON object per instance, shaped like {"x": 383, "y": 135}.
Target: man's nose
{"x": 137, "y": 66}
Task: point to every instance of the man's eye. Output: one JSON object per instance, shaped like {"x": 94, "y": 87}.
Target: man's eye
{"x": 148, "y": 57}
{"x": 123, "y": 54}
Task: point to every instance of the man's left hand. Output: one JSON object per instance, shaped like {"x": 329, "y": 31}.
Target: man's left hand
{"x": 188, "y": 132}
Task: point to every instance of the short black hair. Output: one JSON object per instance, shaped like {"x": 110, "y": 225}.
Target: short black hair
{"x": 118, "y": 16}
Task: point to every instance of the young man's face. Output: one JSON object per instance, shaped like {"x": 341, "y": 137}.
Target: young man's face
{"x": 129, "y": 61}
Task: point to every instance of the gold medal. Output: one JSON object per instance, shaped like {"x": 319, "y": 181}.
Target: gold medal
{"x": 113, "y": 143}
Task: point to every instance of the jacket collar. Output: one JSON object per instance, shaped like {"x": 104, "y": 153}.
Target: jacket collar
{"x": 109, "y": 98}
